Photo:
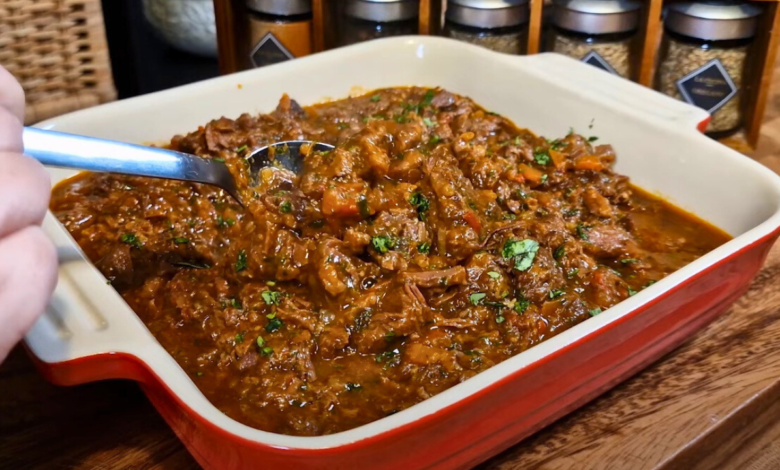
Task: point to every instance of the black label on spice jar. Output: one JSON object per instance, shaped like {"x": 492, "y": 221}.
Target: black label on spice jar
{"x": 708, "y": 87}
{"x": 594, "y": 58}
{"x": 269, "y": 51}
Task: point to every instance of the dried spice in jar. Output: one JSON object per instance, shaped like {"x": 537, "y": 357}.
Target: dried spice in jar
{"x": 372, "y": 19}
{"x": 500, "y": 25}
{"x": 598, "y": 32}
{"x": 280, "y": 30}
{"x": 704, "y": 58}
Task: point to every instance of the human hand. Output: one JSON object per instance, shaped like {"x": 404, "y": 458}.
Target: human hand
{"x": 28, "y": 260}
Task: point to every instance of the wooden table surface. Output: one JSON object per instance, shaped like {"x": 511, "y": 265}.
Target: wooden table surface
{"x": 712, "y": 403}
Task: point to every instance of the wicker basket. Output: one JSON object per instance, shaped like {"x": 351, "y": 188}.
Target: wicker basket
{"x": 57, "y": 50}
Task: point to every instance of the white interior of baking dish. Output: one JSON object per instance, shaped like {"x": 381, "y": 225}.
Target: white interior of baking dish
{"x": 655, "y": 138}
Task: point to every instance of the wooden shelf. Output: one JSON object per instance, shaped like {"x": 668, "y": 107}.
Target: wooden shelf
{"x": 233, "y": 48}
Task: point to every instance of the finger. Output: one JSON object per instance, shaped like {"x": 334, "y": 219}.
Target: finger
{"x": 11, "y": 94}
{"x": 28, "y": 275}
{"x": 10, "y": 132}
{"x": 25, "y": 188}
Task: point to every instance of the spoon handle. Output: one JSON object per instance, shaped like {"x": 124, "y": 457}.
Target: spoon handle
{"x": 58, "y": 149}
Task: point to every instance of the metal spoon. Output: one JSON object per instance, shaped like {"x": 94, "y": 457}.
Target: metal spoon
{"x": 58, "y": 149}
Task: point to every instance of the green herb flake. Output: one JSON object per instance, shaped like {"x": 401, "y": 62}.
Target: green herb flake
{"x": 199, "y": 374}
{"x": 594, "y": 312}
{"x": 582, "y": 232}
{"x": 220, "y": 160}
{"x": 541, "y": 158}
{"x": 241, "y": 263}
{"x": 130, "y": 239}
{"x": 270, "y": 297}
{"x": 493, "y": 275}
{"x": 428, "y": 122}
{"x": 554, "y": 294}
{"x": 241, "y": 149}
{"x": 421, "y": 203}
{"x": 390, "y": 336}
{"x": 631, "y": 292}
{"x": 592, "y": 138}
{"x": 572, "y": 273}
{"x": 559, "y": 252}
{"x": 523, "y": 252}
{"x": 273, "y": 325}
{"x": 428, "y": 98}
{"x": 382, "y": 244}
{"x": 376, "y": 98}
{"x": 476, "y": 298}
{"x": 240, "y": 337}
{"x": 181, "y": 240}
{"x": 266, "y": 351}
{"x": 260, "y": 342}
{"x": 285, "y": 207}
{"x": 435, "y": 139}
{"x": 424, "y": 248}
{"x": 629, "y": 261}
{"x": 235, "y": 303}
{"x": 545, "y": 178}
{"x": 500, "y": 319}
{"x": 649, "y": 283}
{"x": 521, "y": 305}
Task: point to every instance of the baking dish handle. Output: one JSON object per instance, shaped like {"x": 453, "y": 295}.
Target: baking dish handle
{"x": 87, "y": 332}
{"x": 623, "y": 94}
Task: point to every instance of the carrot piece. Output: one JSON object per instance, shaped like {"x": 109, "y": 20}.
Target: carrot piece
{"x": 558, "y": 158}
{"x": 473, "y": 221}
{"x": 532, "y": 175}
{"x": 589, "y": 162}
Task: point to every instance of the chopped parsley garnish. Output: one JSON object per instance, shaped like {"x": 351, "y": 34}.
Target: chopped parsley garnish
{"x": 428, "y": 122}
{"x": 544, "y": 178}
{"x": 582, "y": 232}
{"x": 571, "y": 131}
{"x": 590, "y": 126}
{"x": 554, "y": 294}
{"x": 285, "y": 207}
{"x": 476, "y": 298}
{"x": 382, "y": 244}
{"x": 500, "y": 319}
{"x": 270, "y": 297}
{"x": 592, "y": 138}
{"x": 389, "y": 358}
{"x": 572, "y": 273}
{"x": 556, "y": 144}
{"x": 225, "y": 222}
{"x": 424, "y": 248}
{"x": 260, "y": 342}
{"x": 241, "y": 263}
{"x": 220, "y": 160}
{"x": 130, "y": 239}
{"x": 595, "y": 311}
{"x": 352, "y": 387}
{"x": 629, "y": 261}
{"x": 342, "y": 126}
{"x": 427, "y": 99}
{"x": 493, "y": 275}
{"x": 235, "y": 303}
{"x": 389, "y": 336}
{"x": 631, "y": 292}
{"x": 649, "y": 283}
{"x": 435, "y": 139}
{"x": 199, "y": 374}
{"x": 559, "y": 252}
{"x": 181, "y": 240}
{"x": 376, "y": 98}
{"x": 240, "y": 337}
{"x": 421, "y": 203}
{"x": 274, "y": 324}
{"x": 541, "y": 158}
{"x": 266, "y": 351}
{"x": 523, "y": 252}
{"x": 521, "y": 305}
{"x": 241, "y": 149}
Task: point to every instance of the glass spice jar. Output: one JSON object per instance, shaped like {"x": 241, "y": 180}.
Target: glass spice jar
{"x": 500, "y": 25}
{"x": 372, "y": 19}
{"x": 279, "y": 30}
{"x": 598, "y": 32}
{"x": 703, "y": 58}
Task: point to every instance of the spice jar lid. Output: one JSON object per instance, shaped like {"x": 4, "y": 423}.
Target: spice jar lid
{"x": 487, "y": 13}
{"x": 597, "y": 16}
{"x": 713, "y": 21}
{"x": 383, "y": 11}
{"x": 280, "y": 7}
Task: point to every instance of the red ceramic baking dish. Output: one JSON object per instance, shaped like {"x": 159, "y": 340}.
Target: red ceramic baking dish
{"x": 89, "y": 333}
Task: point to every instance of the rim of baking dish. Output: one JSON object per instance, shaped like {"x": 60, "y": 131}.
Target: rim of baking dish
{"x": 184, "y": 390}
